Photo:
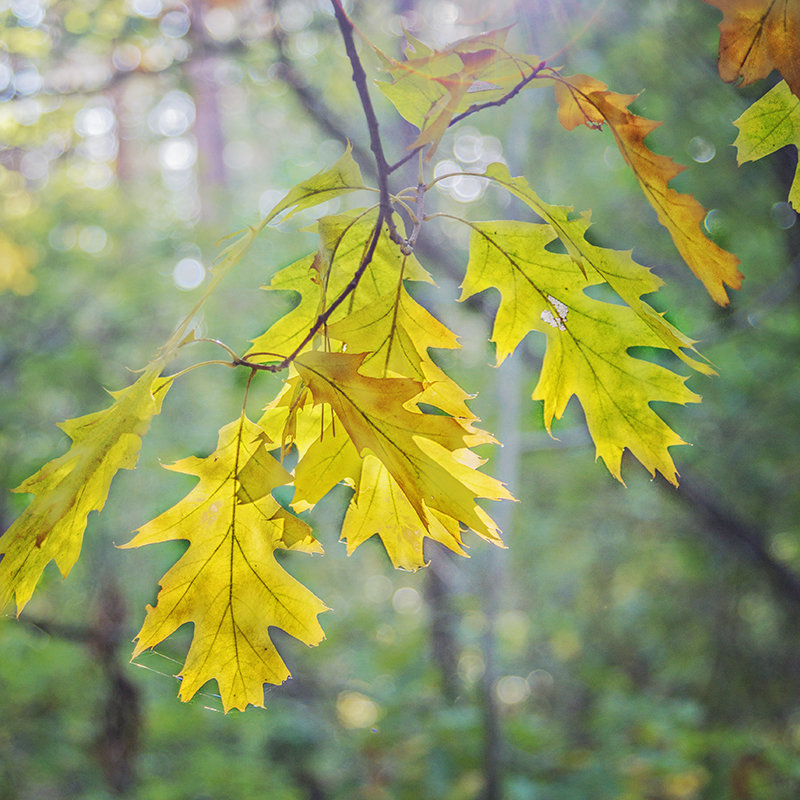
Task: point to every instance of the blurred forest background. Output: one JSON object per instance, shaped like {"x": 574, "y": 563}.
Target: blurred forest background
{"x": 633, "y": 643}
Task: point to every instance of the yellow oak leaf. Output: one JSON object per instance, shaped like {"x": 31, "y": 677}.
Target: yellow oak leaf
{"x": 455, "y": 88}
{"x": 426, "y": 455}
{"x": 343, "y": 177}
{"x": 380, "y": 319}
{"x": 587, "y": 342}
{"x": 342, "y": 241}
{"x": 627, "y": 278}
{"x": 286, "y": 333}
{"x": 395, "y": 332}
{"x": 71, "y": 486}
{"x": 291, "y": 417}
{"x": 381, "y": 507}
{"x": 319, "y": 278}
{"x": 326, "y": 458}
{"x": 585, "y": 100}
{"x": 757, "y": 36}
{"x": 228, "y": 582}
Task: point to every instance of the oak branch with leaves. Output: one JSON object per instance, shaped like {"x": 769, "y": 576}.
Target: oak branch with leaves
{"x": 360, "y": 381}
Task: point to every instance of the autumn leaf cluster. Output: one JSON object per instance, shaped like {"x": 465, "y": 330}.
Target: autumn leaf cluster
{"x": 364, "y": 402}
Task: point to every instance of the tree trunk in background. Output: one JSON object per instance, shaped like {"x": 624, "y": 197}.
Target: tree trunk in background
{"x": 117, "y": 743}
{"x": 508, "y": 391}
{"x": 444, "y": 620}
{"x": 201, "y": 72}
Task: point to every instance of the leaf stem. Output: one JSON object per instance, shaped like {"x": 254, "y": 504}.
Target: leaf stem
{"x": 219, "y": 361}
{"x": 217, "y": 342}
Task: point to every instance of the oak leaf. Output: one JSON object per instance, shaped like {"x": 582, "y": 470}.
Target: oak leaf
{"x": 430, "y": 87}
{"x": 380, "y": 415}
{"x": 587, "y": 342}
{"x": 757, "y": 36}
{"x": 617, "y": 268}
{"x": 426, "y": 480}
{"x": 319, "y": 277}
{"x": 772, "y": 122}
{"x": 380, "y": 507}
{"x": 71, "y": 486}
{"x": 228, "y": 583}
{"x": 343, "y": 177}
{"x": 395, "y": 332}
{"x": 585, "y": 100}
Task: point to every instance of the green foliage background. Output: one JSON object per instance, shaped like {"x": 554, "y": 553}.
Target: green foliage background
{"x": 634, "y": 642}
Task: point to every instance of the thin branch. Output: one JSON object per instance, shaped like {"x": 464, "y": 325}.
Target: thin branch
{"x": 376, "y": 145}
{"x": 417, "y": 218}
{"x": 323, "y": 318}
{"x": 384, "y": 210}
{"x": 475, "y": 108}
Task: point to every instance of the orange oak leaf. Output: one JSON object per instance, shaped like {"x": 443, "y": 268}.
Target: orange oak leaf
{"x": 757, "y": 36}
{"x": 585, "y": 100}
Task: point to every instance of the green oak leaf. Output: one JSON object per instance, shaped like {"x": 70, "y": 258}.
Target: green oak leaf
{"x": 772, "y": 122}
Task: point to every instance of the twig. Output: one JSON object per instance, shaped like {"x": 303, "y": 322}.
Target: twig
{"x": 384, "y": 209}
{"x": 323, "y": 318}
{"x": 375, "y": 143}
{"x": 419, "y": 217}
{"x": 474, "y": 109}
